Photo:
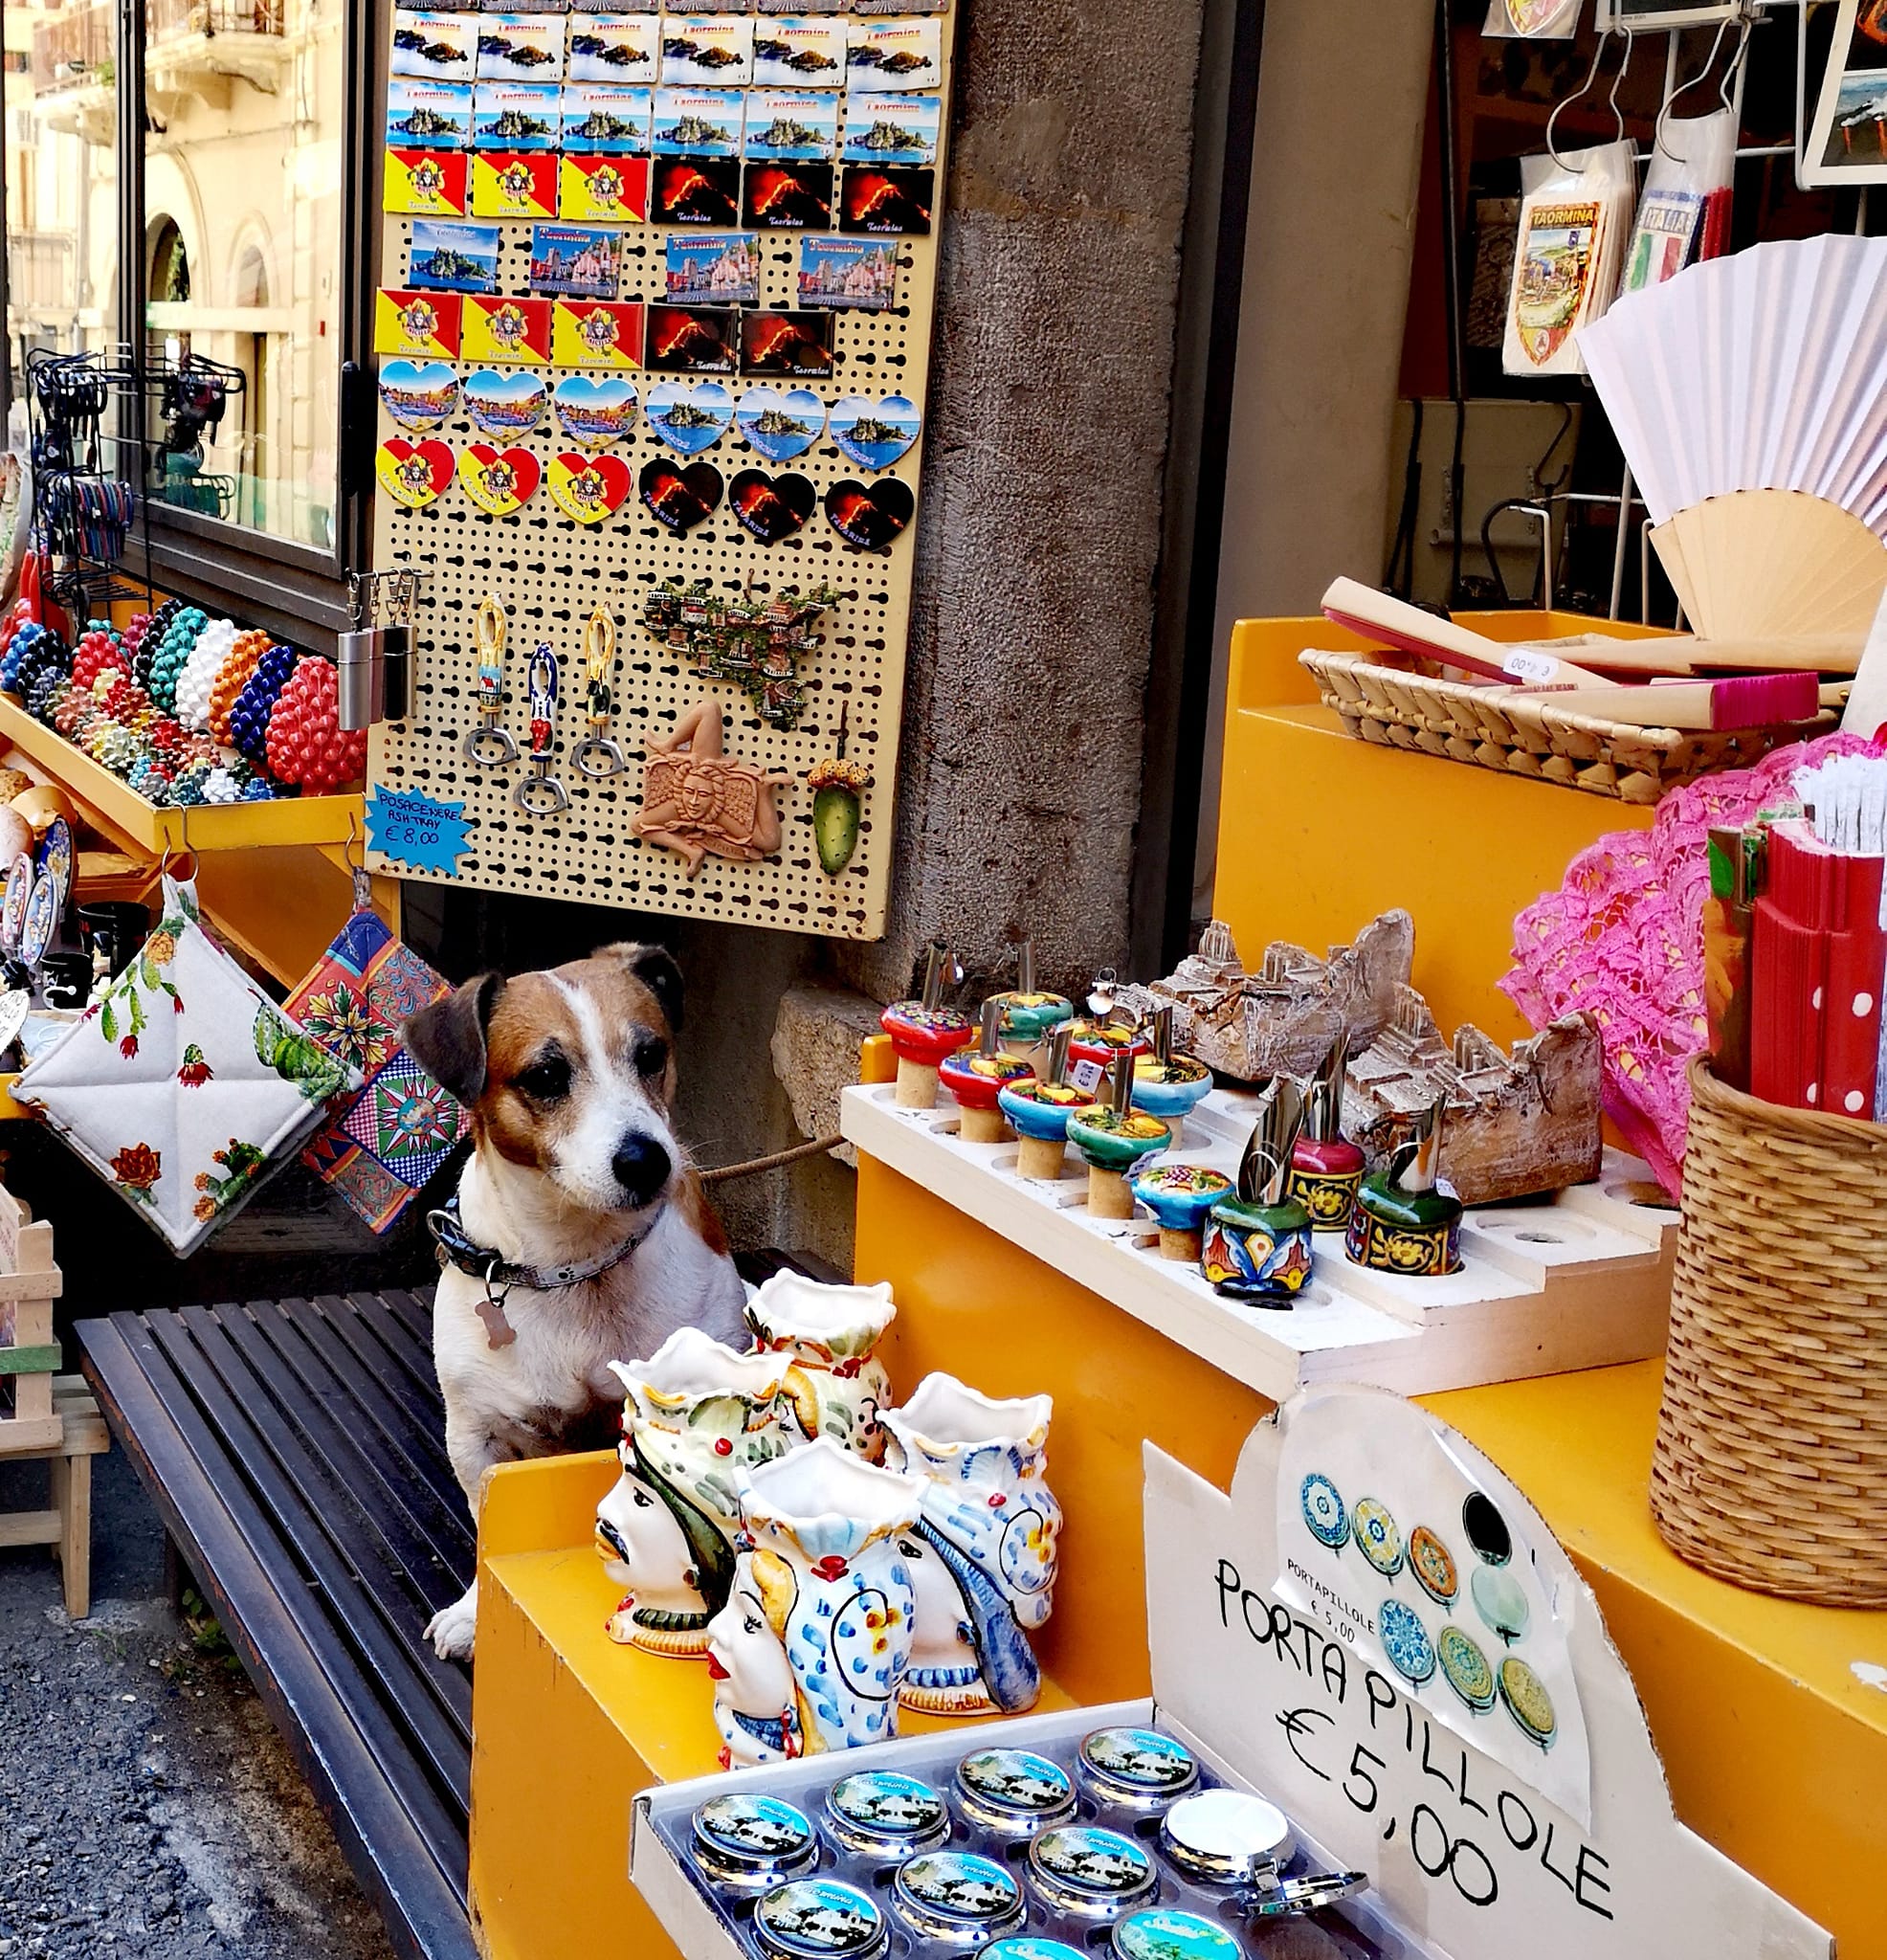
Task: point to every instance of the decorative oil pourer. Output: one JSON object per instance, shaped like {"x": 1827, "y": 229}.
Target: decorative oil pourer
{"x": 1169, "y": 1085}
{"x": 1108, "y": 1030}
{"x": 540, "y": 794}
{"x": 1325, "y": 1166}
{"x": 1112, "y": 1138}
{"x": 1403, "y": 1221}
{"x": 1029, "y": 1014}
{"x": 491, "y": 744}
{"x": 1180, "y": 1197}
{"x": 923, "y": 1030}
{"x": 597, "y": 756}
{"x": 1256, "y": 1243}
{"x": 1038, "y": 1110}
{"x": 975, "y": 1078}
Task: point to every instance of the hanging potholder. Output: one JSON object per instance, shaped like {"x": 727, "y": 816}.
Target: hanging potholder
{"x": 183, "y": 1082}
{"x": 382, "y": 1145}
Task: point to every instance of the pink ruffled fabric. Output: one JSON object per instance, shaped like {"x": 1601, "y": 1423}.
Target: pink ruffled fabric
{"x": 1622, "y": 940}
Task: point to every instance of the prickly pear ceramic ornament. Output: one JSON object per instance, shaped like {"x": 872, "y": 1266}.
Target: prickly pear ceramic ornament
{"x": 1038, "y": 1110}
{"x": 1180, "y": 1197}
{"x": 976, "y": 1075}
{"x": 1403, "y": 1221}
{"x": 923, "y": 1030}
{"x": 1325, "y": 1166}
{"x": 839, "y": 789}
{"x": 1029, "y": 1014}
{"x": 1169, "y": 1085}
{"x": 1256, "y": 1243}
{"x": 830, "y": 1337}
{"x": 1113, "y": 1137}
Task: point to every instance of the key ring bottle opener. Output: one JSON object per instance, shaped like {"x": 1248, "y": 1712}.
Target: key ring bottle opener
{"x": 596, "y": 755}
{"x": 491, "y": 744}
{"x": 540, "y": 794}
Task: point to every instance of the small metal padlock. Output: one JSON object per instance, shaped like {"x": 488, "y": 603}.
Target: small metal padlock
{"x": 359, "y": 655}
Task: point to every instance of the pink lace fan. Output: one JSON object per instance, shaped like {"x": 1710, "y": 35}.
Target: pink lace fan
{"x": 1622, "y": 940}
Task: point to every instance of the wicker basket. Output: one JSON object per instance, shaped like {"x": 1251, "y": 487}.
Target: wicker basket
{"x": 1770, "y": 1468}
{"x": 1404, "y": 708}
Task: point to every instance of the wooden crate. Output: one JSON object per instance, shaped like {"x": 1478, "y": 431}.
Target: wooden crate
{"x": 30, "y": 1282}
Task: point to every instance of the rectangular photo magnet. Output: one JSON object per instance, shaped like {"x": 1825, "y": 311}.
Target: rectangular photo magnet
{"x": 503, "y": 328}
{"x": 698, "y": 122}
{"x": 840, "y": 273}
{"x": 410, "y": 323}
{"x": 434, "y": 47}
{"x": 692, "y": 339}
{"x": 615, "y": 48}
{"x": 893, "y": 201}
{"x": 603, "y": 190}
{"x": 596, "y": 333}
{"x": 792, "y": 125}
{"x": 796, "y": 345}
{"x": 425, "y": 183}
{"x": 428, "y": 114}
{"x": 892, "y": 129}
{"x": 883, "y": 56}
{"x": 788, "y": 197}
{"x": 713, "y": 268}
{"x": 520, "y": 47}
{"x": 695, "y": 191}
{"x": 606, "y": 121}
{"x": 449, "y": 257}
{"x": 517, "y": 115}
{"x": 707, "y": 53}
{"x": 574, "y": 262}
{"x": 799, "y": 52}
{"x": 514, "y": 183}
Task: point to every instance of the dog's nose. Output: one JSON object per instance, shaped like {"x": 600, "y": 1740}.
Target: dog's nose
{"x": 641, "y": 1165}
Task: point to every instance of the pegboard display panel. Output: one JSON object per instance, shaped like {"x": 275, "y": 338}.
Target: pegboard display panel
{"x": 550, "y": 573}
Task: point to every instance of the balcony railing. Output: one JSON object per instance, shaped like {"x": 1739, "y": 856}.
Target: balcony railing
{"x": 39, "y": 271}
{"x": 76, "y": 49}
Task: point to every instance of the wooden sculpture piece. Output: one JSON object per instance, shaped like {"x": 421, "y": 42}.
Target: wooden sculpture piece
{"x": 703, "y": 803}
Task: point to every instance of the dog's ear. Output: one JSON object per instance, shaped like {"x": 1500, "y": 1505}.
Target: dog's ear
{"x": 656, "y": 967}
{"x": 448, "y": 1039}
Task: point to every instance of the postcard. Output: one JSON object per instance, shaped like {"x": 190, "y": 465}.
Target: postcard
{"x": 1847, "y": 139}
{"x": 501, "y": 327}
{"x": 520, "y": 47}
{"x": 406, "y": 323}
{"x": 848, "y": 272}
{"x": 434, "y": 47}
{"x": 507, "y": 185}
{"x": 692, "y": 339}
{"x": 713, "y": 268}
{"x": 619, "y": 48}
{"x": 799, "y": 344}
{"x": 797, "y": 53}
{"x": 695, "y": 191}
{"x": 894, "y": 54}
{"x": 892, "y": 129}
{"x": 454, "y": 259}
{"x": 895, "y": 200}
{"x": 428, "y": 114}
{"x": 698, "y": 122}
{"x": 424, "y": 181}
{"x": 782, "y": 197}
{"x": 606, "y": 121}
{"x": 792, "y": 125}
{"x": 603, "y": 191}
{"x": 596, "y": 333}
{"x": 517, "y": 115}
{"x": 707, "y": 53}
{"x": 572, "y": 262}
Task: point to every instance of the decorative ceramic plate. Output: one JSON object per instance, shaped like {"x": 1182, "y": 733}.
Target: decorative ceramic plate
{"x": 1406, "y": 1641}
{"x": 42, "y": 919}
{"x": 1500, "y": 1601}
{"x": 1528, "y": 1702}
{"x": 1433, "y": 1566}
{"x": 1378, "y": 1536}
{"x": 12, "y": 911}
{"x": 1466, "y": 1668}
{"x": 1486, "y": 1528}
{"x": 1322, "y": 1504}
{"x": 55, "y": 856}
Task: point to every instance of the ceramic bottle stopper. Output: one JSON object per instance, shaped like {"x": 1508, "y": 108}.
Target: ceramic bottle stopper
{"x": 1113, "y": 1137}
{"x": 1106, "y": 1030}
{"x": 1038, "y": 1109}
{"x": 924, "y": 1032}
{"x": 1258, "y": 1243}
{"x": 1169, "y": 1085}
{"x": 1180, "y": 1197}
{"x": 1402, "y": 1221}
{"x": 1029, "y": 1016}
{"x": 1325, "y": 1166}
{"x": 975, "y": 1078}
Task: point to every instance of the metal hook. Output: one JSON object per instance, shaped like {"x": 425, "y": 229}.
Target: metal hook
{"x": 1737, "y": 60}
{"x": 1585, "y": 88}
{"x": 1702, "y": 75}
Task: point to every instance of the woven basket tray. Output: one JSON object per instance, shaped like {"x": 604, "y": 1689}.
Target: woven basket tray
{"x": 1404, "y": 708}
{"x": 1770, "y": 1468}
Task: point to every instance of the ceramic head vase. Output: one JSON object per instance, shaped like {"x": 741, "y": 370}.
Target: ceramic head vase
{"x": 829, "y": 1337}
{"x": 828, "y": 1582}
{"x": 987, "y": 1535}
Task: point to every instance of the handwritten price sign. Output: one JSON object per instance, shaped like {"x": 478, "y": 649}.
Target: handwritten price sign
{"x": 418, "y": 830}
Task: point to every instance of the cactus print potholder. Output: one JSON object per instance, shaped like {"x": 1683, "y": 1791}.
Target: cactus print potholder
{"x": 185, "y": 1081}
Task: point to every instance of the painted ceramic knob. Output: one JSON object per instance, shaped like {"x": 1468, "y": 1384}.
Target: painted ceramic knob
{"x": 921, "y": 1036}
{"x": 1260, "y": 1253}
{"x": 1171, "y": 1089}
{"x": 1101, "y": 1041}
{"x": 1180, "y": 1197}
{"x": 1112, "y": 1144}
{"x": 1027, "y": 1019}
{"x": 1038, "y": 1112}
{"x": 1324, "y": 1179}
{"x": 976, "y": 1081}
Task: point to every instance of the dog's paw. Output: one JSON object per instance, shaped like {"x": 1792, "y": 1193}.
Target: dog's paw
{"x": 452, "y": 1630}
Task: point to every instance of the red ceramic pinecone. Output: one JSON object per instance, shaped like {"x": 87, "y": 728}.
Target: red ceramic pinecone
{"x": 306, "y": 745}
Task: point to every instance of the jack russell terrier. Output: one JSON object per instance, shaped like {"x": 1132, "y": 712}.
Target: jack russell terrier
{"x": 580, "y": 1234}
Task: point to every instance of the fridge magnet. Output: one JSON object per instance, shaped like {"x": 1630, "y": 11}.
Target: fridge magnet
{"x": 782, "y": 197}
{"x": 415, "y": 322}
{"x": 874, "y": 435}
{"x": 420, "y": 396}
{"x": 425, "y": 183}
{"x": 707, "y": 53}
{"x": 839, "y": 799}
{"x": 839, "y": 273}
{"x": 804, "y": 7}
{"x": 413, "y": 474}
{"x": 520, "y": 47}
{"x": 505, "y": 186}
{"x": 894, "y": 54}
{"x": 702, "y": 802}
{"x": 796, "y": 345}
{"x": 499, "y": 481}
{"x": 593, "y": 8}
{"x": 603, "y": 190}
{"x": 601, "y": 120}
{"x": 449, "y": 257}
{"x": 788, "y": 124}
{"x": 614, "y": 48}
{"x": 799, "y": 54}
{"x": 713, "y": 269}
{"x": 695, "y": 191}
{"x": 433, "y": 47}
{"x": 691, "y": 339}
{"x": 504, "y": 404}
{"x": 895, "y": 7}
{"x": 679, "y": 495}
{"x": 593, "y": 413}
{"x": 871, "y": 516}
{"x": 887, "y": 199}
{"x": 512, "y": 116}
{"x": 780, "y": 424}
{"x": 570, "y": 262}
{"x": 690, "y": 419}
{"x": 771, "y": 508}
{"x": 698, "y": 123}
{"x": 595, "y": 333}
{"x": 892, "y": 129}
{"x": 587, "y": 488}
{"x": 428, "y": 115}
{"x": 516, "y": 331}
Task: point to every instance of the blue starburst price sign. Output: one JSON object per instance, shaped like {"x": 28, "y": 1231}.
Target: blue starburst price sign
{"x": 418, "y": 830}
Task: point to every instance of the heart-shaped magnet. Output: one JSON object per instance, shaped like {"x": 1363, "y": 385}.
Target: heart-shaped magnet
{"x": 505, "y": 404}
{"x": 587, "y": 487}
{"x": 874, "y": 435}
{"x": 771, "y": 508}
{"x": 500, "y": 481}
{"x": 872, "y": 515}
{"x": 419, "y": 394}
{"x": 414, "y": 473}
{"x": 679, "y": 497}
{"x": 690, "y": 419}
{"x": 593, "y": 413}
{"x": 781, "y": 423}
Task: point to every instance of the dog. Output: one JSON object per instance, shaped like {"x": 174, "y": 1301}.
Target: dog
{"x": 580, "y": 1235}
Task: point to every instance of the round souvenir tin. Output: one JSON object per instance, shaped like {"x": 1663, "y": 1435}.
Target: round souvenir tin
{"x": 56, "y": 857}
{"x": 1014, "y": 1791}
{"x": 1292, "y": 1896}
{"x": 1025, "y": 1947}
{"x": 819, "y": 1919}
{"x": 1486, "y": 1528}
{"x": 1500, "y": 1601}
{"x": 881, "y": 1811}
{"x": 745, "y": 1840}
{"x": 1139, "y": 1767}
{"x": 1160, "y": 1933}
{"x": 1227, "y": 1837}
{"x": 42, "y": 919}
{"x": 1091, "y": 1873}
{"x": 12, "y": 913}
{"x": 1433, "y": 1566}
{"x": 1465, "y": 1668}
{"x": 1325, "y": 1516}
{"x": 1406, "y": 1641}
{"x": 1527, "y": 1701}
{"x": 1378, "y": 1536}
{"x": 959, "y": 1897}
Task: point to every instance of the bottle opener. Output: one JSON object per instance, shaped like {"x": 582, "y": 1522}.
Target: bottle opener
{"x": 597, "y": 756}
{"x": 539, "y": 794}
{"x": 491, "y": 744}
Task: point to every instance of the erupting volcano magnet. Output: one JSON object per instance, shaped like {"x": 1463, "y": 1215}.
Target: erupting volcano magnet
{"x": 1030, "y": 1016}
{"x": 1113, "y": 1137}
{"x": 924, "y": 1032}
{"x": 1169, "y": 1085}
{"x": 1038, "y": 1110}
{"x": 1256, "y": 1244}
{"x": 976, "y": 1078}
{"x": 700, "y": 802}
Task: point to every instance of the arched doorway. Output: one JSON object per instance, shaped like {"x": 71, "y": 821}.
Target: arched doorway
{"x": 168, "y": 276}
